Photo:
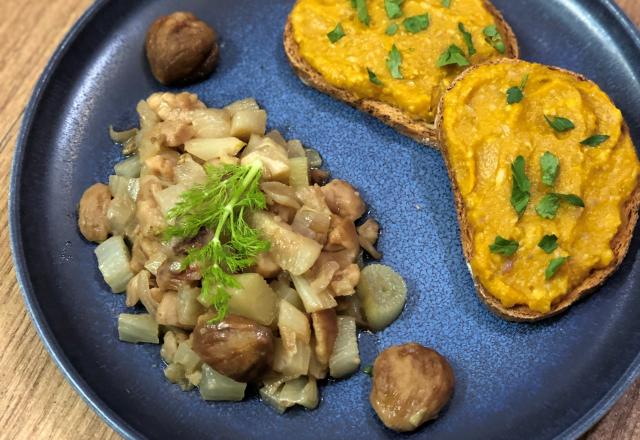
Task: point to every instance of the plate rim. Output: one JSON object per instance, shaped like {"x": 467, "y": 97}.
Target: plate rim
{"x": 62, "y": 362}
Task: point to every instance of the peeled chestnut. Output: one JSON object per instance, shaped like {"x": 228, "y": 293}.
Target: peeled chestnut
{"x": 237, "y": 347}
{"x": 181, "y": 49}
{"x": 411, "y": 384}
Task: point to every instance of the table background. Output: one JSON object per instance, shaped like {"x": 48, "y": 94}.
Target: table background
{"x": 35, "y": 400}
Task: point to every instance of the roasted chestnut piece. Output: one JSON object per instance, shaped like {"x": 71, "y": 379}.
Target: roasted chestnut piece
{"x": 181, "y": 49}
{"x": 237, "y": 347}
{"x": 411, "y": 384}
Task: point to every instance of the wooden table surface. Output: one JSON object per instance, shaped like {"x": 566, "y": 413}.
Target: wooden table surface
{"x": 35, "y": 400}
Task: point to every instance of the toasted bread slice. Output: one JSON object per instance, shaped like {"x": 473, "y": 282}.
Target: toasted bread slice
{"x": 421, "y": 131}
{"x": 619, "y": 244}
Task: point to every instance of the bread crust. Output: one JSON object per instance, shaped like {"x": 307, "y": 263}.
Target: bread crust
{"x": 419, "y": 130}
{"x": 619, "y": 244}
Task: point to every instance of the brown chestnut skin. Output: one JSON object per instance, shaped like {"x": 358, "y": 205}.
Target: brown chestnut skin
{"x": 181, "y": 49}
{"x": 236, "y": 347}
{"x": 411, "y": 384}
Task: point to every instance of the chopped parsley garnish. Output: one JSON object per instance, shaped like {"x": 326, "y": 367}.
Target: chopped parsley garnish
{"x": 220, "y": 205}
{"x": 453, "y": 55}
{"x": 416, "y": 23}
{"x": 393, "y": 8}
{"x": 516, "y": 93}
{"x": 549, "y": 168}
{"x": 504, "y": 247}
{"x": 521, "y": 186}
{"x": 494, "y": 38}
{"x": 553, "y": 267}
{"x": 373, "y": 77}
{"x": 468, "y": 39}
{"x": 559, "y": 124}
{"x": 368, "y": 370}
{"x": 549, "y": 243}
{"x": 595, "y": 140}
{"x": 363, "y": 12}
{"x": 392, "y": 29}
{"x": 394, "y": 61}
{"x": 336, "y": 34}
{"x": 548, "y": 206}
{"x": 446, "y": 3}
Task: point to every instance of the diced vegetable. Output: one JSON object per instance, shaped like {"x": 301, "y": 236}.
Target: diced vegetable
{"x": 295, "y": 148}
{"x": 121, "y": 213}
{"x": 167, "y": 313}
{"x": 124, "y": 186}
{"x": 138, "y": 289}
{"x": 276, "y": 136}
{"x": 314, "y": 300}
{"x": 254, "y": 299}
{"x": 270, "y": 394}
{"x": 148, "y": 118}
{"x": 169, "y": 347}
{"x": 345, "y": 359}
{"x": 287, "y": 293}
{"x": 188, "y": 172}
{"x": 280, "y": 193}
{"x": 299, "y": 174}
{"x": 186, "y": 357}
{"x": 242, "y": 104}
{"x": 382, "y": 294}
{"x": 292, "y": 319}
{"x": 188, "y": 306}
{"x": 214, "y": 148}
{"x": 316, "y": 369}
{"x": 211, "y": 123}
{"x": 130, "y": 167}
{"x": 313, "y": 157}
{"x": 292, "y": 360}
{"x": 244, "y": 123}
{"x": 293, "y": 252}
{"x": 215, "y": 386}
{"x": 174, "y": 373}
{"x": 169, "y": 197}
{"x": 137, "y": 328}
{"x": 301, "y": 391}
{"x": 274, "y": 160}
{"x": 194, "y": 378}
{"x": 147, "y": 147}
{"x": 154, "y": 262}
{"x": 113, "y": 263}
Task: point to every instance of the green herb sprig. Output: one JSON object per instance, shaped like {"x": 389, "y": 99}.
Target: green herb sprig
{"x": 548, "y": 206}
{"x": 336, "y": 34}
{"x": 494, "y": 38}
{"x": 549, "y": 168}
{"x": 516, "y": 93}
{"x": 417, "y": 23}
{"x": 559, "y": 123}
{"x": 521, "y": 186}
{"x": 452, "y": 56}
{"x": 393, "y": 8}
{"x": 220, "y": 205}
{"x": 504, "y": 246}
{"x": 548, "y": 243}
{"x": 554, "y": 266}
{"x": 394, "y": 62}
{"x": 468, "y": 39}
{"x": 595, "y": 140}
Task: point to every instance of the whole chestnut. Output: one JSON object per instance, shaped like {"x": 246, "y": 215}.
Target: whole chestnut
{"x": 181, "y": 49}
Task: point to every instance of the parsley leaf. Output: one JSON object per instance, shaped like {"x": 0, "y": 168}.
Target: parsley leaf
{"x": 336, "y": 34}
{"x": 394, "y": 61}
{"x": 220, "y": 205}
{"x": 368, "y": 370}
{"x": 453, "y": 55}
{"x": 549, "y": 243}
{"x": 393, "y": 8}
{"x": 559, "y": 124}
{"x": 516, "y": 93}
{"x": 494, "y": 38}
{"x": 446, "y": 3}
{"x": 549, "y": 168}
{"x": 468, "y": 39}
{"x": 504, "y": 247}
{"x": 548, "y": 206}
{"x": 416, "y": 23}
{"x": 373, "y": 77}
{"x": 363, "y": 13}
{"x": 392, "y": 29}
{"x": 521, "y": 186}
{"x": 595, "y": 140}
{"x": 553, "y": 267}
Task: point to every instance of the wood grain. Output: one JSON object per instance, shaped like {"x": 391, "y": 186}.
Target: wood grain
{"x": 35, "y": 401}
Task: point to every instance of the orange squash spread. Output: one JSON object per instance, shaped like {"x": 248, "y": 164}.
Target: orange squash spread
{"x": 344, "y": 63}
{"x": 597, "y": 162}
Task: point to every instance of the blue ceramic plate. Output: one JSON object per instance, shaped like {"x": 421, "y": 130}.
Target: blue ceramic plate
{"x": 548, "y": 380}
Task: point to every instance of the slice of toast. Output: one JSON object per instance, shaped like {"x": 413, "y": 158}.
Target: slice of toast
{"x": 619, "y": 244}
{"x": 421, "y": 131}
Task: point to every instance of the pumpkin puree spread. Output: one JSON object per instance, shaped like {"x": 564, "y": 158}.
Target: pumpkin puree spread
{"x": 344, "y": 63}
{"x": 597, "y": 162}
